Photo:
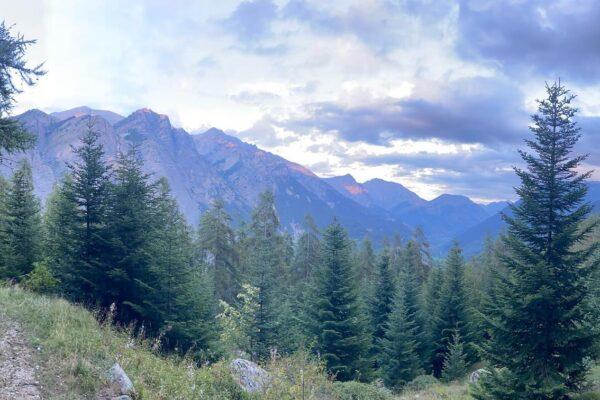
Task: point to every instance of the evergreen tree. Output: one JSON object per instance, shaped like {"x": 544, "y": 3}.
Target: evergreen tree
{"x": 455, "y": 364}
{"x": 131, "y": 230}
{"x": 5, "y": 252}
{"x": 23, "y": 223}
{"x": 399, "y": 361}
{"x": 61, "y": 242}
{"x": 218, "y": 250}
{"x": 540, "y": 328}
{"x": 181, "y": 304}
{"x": 365, "y": 264}
{"x": 381, "y": 302}
{"x": 411, "y": 279}
{"x": 337, "y": 325}
{"x": 453, "y": 314}
{"x": 264, "y": 259}
{"x": 13, "y": 66}
{"x": 88, "y": 190}
{"x": 308, "y": 252}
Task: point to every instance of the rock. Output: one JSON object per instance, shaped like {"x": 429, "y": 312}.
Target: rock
{"x": 475, "y": 375}
{"x": 123, "y": 397}
{"x": 249, "y": 375}
{"x": 120, "y": 381}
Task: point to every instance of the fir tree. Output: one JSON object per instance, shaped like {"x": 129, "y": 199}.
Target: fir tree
{"x": 13, "y": 66}
{"x": 218, "y": 250}
{"x": 131, "y": 226}
{"x": 365, "y": 264}
{"x": 539, "y": 325}
{"x": 23, "y": 223}
{"x": 381, "y": 302}
{"x": 182, "y": 304}
{"x": 453, "y": 313}
{"x": 89, "y": 190}
{"x": 337, "y": 325}
{"x": 399, "y": 361}
{"x": 455, "y": 363}
{"x": 264, "y": 259}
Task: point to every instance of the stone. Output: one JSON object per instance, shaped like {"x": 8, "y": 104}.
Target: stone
{"x": 249, "y": 375}
{"x": 475, "y": 375}
{"x": 120, "y": 381}
{"x": 123, "y": 397}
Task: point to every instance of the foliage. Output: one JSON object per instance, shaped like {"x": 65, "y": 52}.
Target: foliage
{"x": 455, "y": 364}
{"x": 237, "y": 321}
{"x": 421, "y": 382}
{"x": 41, "y": 279}
{"x": 538, "y": 315}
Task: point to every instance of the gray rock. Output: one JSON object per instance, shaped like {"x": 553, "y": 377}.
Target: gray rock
{"x": 123, "y": 397}
{"x": 249, "y": 375}
{"x": 120, "y": 381}
{"x": 475, "y": 375}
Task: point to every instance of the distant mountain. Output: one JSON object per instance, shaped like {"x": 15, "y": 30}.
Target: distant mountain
{"x": 391, "y": 195}
{"x": 443, "y": 217}
{"x": 200, "y": 168}
{"x": 473, "y": 238}
{"x": 495, "y": 207}
{"x": 347, "y": 185}
{"x": 109, "y": 116}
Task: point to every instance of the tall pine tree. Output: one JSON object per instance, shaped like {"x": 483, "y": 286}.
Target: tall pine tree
{"x": 539, "y": 325}
{"x": 218, "y": 250}
{"x": 337, "y": 325}
{"x": 23, "y": 223}
{"x": 453, "y": 312}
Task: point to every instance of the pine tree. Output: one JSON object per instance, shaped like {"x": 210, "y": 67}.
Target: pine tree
{"x": 365, "y": 264}
{"x": 539, "y": 325}
{"x": 218, "y": 250}
{"x": 453, "y": 313}
{"x": 337, "y": 325}
{"x": 307, "y": 253}
{"x": 130, "y": 227}
{"x": 182, "y": 304}
{"x": 61, "y": 242}
{"x": 381, "y": 302}
{"x": 88, "y": 190}
{"x": 455, "y": 364}
{"x": 13, "y": 66}
{"x": 23, "y": 223}
{"x": 5, "y": 253}
{"x": 399, "y": 361}
{"x": 412, "y": 274}
{"x": 265, "y": 259}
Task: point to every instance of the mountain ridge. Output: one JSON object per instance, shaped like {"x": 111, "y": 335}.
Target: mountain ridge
{"x": 213, "y": 164}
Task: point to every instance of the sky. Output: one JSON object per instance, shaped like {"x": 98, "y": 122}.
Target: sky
{"x": 435, "y": 95}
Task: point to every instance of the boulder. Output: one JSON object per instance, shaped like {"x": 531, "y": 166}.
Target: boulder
{"x": 249, "y": 375}
{"x": 120, "y": 381}
{"x": 475, "y": 375}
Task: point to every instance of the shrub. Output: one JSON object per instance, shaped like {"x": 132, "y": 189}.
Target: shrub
{"x": 353, "y": 390}
{"x": 40, "y": 279}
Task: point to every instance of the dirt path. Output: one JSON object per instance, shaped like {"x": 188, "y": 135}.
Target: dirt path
{"x": 17, "y": 367}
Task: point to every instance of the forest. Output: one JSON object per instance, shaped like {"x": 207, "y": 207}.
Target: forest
{"x": 111, "y": 238}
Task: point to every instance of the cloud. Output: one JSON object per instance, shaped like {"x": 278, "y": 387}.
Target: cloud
{"x": 480, "y": 110}
{"x": 551, "y": 39}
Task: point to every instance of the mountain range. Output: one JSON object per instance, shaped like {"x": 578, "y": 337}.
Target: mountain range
{"x": 203, "y": 167}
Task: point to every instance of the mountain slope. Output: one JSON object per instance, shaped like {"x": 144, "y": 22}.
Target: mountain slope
{"x": 391, "y": 195}
{"x": 199, "y": 168}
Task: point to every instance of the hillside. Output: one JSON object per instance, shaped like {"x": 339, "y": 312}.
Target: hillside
{"x": 69, "y": 353}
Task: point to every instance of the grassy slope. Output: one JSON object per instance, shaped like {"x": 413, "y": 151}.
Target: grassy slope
{"x": 75, "y": 352}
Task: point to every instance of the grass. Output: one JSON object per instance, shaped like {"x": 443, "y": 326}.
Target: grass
{"x": 74, "y": 352}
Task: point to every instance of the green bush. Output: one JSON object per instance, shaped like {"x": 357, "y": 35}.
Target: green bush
{"x": 421, "y": 382}
{"x": 360, "y": 391}
{"x": 40, "y": 279}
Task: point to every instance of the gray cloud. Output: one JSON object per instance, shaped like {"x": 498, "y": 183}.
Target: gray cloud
{"x": 477, "y": 110}
{"x": 549, "y": 38}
